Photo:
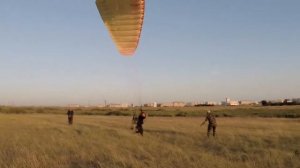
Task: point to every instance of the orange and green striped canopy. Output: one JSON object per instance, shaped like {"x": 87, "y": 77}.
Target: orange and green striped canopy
{"x": 124, "y": 20}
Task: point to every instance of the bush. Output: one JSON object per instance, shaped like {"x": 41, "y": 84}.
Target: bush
{"x": 181, "y": 114}
{"x": 39, "y": 110}
{"x": 17, "y": 110}
{"x": 116, "y": 113}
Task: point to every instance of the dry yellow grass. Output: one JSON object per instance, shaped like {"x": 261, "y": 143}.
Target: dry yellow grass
{"x": 98, "y": 141}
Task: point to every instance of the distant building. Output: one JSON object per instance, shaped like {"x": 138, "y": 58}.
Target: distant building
{"x": 74, "y": 105}
{"x": 248, "y": 102}
{"x": 169, "y": 104}
{"x": 211, "y": 103}
{"x": 277, "y": 101}
{"x": 229, "y": 102}
{"x": 172, "y": 104}
{"x": 191, "y": 104}
{"x": 150, "y": 104}
{"x": 123, "y": 105}
{"x": 288, "y": 102}
{"x": 233, "y": 103}
{"x": 101, "y": 106}
{"x": 178, "y": 104}
{"x": 296, "y": 101}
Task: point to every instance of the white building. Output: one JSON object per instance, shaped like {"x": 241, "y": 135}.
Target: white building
{"x": 178, "y": 104}
{"x": 248, "y": 102}
{"x": 169, "y": 104}
{"x": 173, "y": 104}
{"x": 150, "y": 104}
{"x": 277, "y": 101}
{"x": 101, "y": 106}
{"x": 233, "y": 103}
{"x": 229, "y": 102}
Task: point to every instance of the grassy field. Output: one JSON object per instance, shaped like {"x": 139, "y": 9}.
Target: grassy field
{"x": 45, "y": 140}
{"x": 220, "y": 111}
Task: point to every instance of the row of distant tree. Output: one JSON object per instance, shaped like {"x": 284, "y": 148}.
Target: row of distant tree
{"x": 280, "y": 102}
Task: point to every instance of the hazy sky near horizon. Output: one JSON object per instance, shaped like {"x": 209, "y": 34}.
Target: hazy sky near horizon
{"x": 55, "y": 52}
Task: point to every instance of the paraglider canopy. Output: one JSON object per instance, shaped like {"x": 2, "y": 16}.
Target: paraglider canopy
{"x": 124, "y": 20}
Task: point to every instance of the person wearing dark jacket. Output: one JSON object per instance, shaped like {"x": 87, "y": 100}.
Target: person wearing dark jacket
{"x": 140, "y": 122}
{"x": 70, "y": 114}
{"x": 212, "y": 123}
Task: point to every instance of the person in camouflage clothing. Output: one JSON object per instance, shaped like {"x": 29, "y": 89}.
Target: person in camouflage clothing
{"x": 134, "y": 121}
{"x": 70, "y": 115}
{"x": 212, "y": 123}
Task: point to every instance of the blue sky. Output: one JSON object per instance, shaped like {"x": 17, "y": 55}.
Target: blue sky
{"x": 59, "y": 52}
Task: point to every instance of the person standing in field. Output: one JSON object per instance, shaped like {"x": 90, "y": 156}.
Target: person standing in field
{"x": 134, "y": 121}
{"x": 140, "y": 122}
{"x": 212, "y": 123}
{"x": 70, "y": 114}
